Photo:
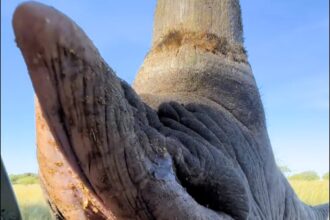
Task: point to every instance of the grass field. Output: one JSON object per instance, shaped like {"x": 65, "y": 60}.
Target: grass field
{"x": 312, "y": 192}
{"x": 33, "y": 206}
{"x": 31, "y": 202}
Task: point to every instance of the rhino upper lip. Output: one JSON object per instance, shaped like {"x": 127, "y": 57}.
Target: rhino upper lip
{"x": 38, "y": 33}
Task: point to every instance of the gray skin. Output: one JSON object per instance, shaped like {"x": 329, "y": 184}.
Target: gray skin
{"x": 188, "y": 142}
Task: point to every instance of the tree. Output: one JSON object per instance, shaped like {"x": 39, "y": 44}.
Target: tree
{"x": 326, "y": 176}
{"x": 188, "y": 141}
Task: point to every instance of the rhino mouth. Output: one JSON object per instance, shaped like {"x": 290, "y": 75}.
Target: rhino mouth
{"x": 162, "y": 147}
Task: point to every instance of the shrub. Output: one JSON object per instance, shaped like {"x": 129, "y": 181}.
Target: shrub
{"x": 307, "y": 175}
{"x": 25, "y": 179}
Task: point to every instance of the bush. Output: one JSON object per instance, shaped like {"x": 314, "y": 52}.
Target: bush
{"x": 307, "y": 176}
{"x": 25, "y": 179}
{"x": 326, "y": 176}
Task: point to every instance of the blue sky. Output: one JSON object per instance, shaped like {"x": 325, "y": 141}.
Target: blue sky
{"x": 287, "y": 44}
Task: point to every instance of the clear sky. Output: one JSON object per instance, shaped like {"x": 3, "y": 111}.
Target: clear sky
{"x": 288, "y": 48}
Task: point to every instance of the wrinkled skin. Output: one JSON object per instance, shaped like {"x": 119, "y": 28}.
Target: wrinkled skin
{"x": 196, "y": 149}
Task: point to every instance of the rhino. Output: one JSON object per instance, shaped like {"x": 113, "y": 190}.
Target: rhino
{"x": 187, "y": 140}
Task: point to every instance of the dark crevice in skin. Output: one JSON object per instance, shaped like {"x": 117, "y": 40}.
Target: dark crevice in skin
{"x": 230, "y": 149}
{"x": 94, "y": 216}
{"x": 173, "y": 115}
{"x": 247, "y": 138}
{"x": 199, "y": 193}
{"x": 57, "y": 213}
{"x": 224, "y": 144}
